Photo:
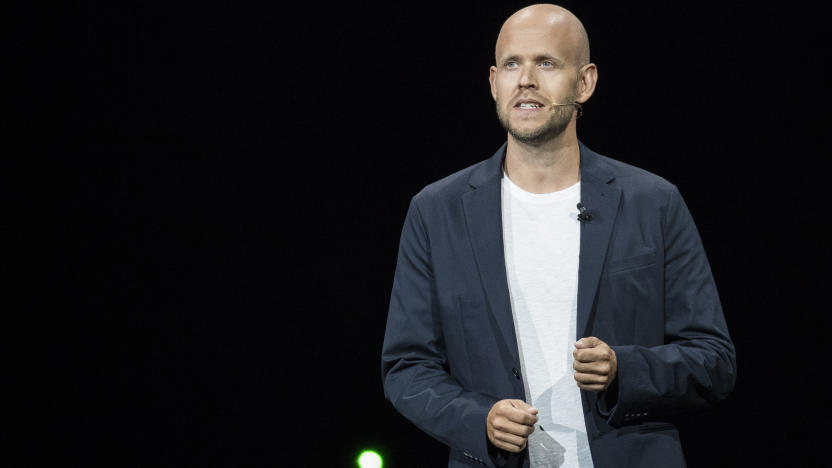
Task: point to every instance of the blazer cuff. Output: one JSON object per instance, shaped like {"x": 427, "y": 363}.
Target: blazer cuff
{"x": 498, "y": 456}
{"x": 479, "y": 449}
{"x": 610, "y": 403}
{"x": 607, "y": 399}
{"x": 501, "y": 458}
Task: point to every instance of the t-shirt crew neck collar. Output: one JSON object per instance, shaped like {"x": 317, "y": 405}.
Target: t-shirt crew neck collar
{"x": 560, "y": 195}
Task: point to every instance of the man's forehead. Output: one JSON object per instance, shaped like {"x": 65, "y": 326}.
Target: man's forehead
{"x": 532, "y": 43}
{"x": 542, "y": 29}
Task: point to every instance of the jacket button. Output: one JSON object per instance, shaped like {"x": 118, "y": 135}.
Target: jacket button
{"x": 515, "y": 372}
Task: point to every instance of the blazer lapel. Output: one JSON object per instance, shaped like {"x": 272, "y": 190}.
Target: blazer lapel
{"x": 601, "y": 200}
{"x": 483, "y": 216}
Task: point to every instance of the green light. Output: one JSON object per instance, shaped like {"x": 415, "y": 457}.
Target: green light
{"x": 369, "y": 459}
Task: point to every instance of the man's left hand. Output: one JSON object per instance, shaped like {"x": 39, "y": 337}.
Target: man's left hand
{"x": 595, "y": 364}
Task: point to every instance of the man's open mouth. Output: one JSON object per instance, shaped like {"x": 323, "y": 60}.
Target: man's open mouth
{"x": 528, "y": 105}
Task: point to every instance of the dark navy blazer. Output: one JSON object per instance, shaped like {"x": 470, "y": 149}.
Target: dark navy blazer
{"x": 644, "y": 287}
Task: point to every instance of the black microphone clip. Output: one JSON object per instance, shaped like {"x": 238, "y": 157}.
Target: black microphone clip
{"x": 583, "y": 214}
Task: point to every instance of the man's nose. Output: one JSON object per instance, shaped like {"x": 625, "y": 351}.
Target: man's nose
{"x": 528, "y": 78}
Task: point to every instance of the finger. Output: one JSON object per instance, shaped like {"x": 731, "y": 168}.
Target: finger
{"x": 590, "y": 379}
{"x": 598, "y": 367}
{"x": 591, "y": 354}
{"x": 507, "y": 446}
{"x": 592, "y": 388}
{"x": 520, "y": 404}
{"x": 509, "y": 427}
{"x": 509, "y": 438}
{"x": 517, "y": 415}
{"x": 588, "y": 342}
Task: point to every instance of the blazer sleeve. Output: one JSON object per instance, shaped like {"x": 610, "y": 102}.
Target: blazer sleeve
{"x": 697, "y": 364}
{"x": 414, "y": 361}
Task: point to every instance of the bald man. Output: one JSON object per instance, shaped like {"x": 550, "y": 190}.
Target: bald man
{"x": 551, "y": 306}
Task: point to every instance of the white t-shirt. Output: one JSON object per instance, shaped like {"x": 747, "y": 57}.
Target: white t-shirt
{"x": 541, "y": 234}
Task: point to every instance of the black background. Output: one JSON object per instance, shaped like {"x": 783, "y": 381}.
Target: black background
{"x": 204, "y": 203}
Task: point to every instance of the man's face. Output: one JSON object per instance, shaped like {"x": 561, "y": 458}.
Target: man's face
{"x": 532, "y": 73}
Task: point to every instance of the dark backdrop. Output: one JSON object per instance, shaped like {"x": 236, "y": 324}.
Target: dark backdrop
{"x": 204, "y": 203}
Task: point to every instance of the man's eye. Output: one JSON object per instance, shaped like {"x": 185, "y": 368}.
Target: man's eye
{"x": 511, "y": 64}
{"x": 547, "y": 64}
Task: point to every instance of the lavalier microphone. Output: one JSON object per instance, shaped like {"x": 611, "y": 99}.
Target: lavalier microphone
{"x": 583, "y": 214}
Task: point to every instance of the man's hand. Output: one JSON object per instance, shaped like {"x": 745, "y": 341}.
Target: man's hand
{"x": 595, "y": 364}
{"x": 509, "y": 424}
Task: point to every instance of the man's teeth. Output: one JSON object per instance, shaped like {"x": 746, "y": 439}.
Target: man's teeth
{"x": 529, "y": 105}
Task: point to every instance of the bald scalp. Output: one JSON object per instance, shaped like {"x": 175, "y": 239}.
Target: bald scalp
{"x": 550, "y": 16}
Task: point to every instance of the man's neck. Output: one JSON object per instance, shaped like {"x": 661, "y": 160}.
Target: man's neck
{"x": 545, "y": 168}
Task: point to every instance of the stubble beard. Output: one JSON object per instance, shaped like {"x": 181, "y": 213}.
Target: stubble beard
{"x": 554, "y": 126}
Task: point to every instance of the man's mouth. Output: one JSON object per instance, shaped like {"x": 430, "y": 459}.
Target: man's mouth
{"x": 528, "y": 105}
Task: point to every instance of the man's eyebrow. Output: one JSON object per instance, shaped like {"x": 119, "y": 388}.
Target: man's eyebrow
{"x": 540, "y": 58}
{"x": 537, "y": 58}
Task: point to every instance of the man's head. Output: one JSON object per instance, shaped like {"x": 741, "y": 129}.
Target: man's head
{"x": 542, "y": 58}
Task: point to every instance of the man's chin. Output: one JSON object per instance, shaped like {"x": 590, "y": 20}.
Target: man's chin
{"x": 532, "y": 137}
{"x": 532, "y": 133}
{"x": 524, "y": 133}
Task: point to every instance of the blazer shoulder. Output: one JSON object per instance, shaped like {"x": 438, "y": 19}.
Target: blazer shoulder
{"x": 449, "y": 187}
{"x": 635, "y": 179}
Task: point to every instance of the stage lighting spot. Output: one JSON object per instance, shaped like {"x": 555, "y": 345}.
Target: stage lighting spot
{"x": 369, "y": 459}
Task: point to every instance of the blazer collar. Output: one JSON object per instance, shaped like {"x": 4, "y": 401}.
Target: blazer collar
{"x": 592, "y": 167}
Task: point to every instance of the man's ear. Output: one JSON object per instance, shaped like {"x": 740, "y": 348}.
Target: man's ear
{"x": 587, "y": 78}
{"x": 492, "y": 79}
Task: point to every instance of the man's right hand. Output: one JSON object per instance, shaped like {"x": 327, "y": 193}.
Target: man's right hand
{"x": 509, "y": 424}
